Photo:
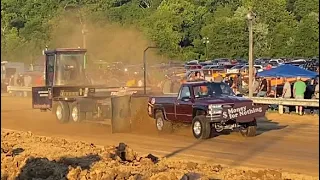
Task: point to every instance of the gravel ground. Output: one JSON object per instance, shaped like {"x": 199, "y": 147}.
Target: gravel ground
{"x": 27, "y": 156}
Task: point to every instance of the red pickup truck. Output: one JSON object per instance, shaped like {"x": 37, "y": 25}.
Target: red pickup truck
{"x": 208, "y": 107}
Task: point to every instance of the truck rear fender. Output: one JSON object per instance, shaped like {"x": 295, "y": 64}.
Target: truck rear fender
{"x": 198, "y": 110}
{"x": 158, "y": 107}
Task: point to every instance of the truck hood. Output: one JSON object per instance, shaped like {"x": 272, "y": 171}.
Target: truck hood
{"x": 223, "y": 99}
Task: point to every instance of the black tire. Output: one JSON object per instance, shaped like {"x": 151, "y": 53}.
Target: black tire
{"x": 162, "y": 125}
{"x": 248, "y": 129}
{"x": 62, "y": 111}
{"x": 75, "y": 114}
{"x": 204, "y": 125}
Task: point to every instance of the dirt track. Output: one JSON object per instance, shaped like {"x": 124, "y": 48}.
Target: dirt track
{"x": 284, "y": 142}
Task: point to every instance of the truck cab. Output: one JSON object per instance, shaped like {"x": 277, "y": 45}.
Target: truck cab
{"x": 65, "y": 67}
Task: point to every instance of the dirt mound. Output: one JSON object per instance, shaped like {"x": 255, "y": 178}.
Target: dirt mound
{"x": 26, "y": 156}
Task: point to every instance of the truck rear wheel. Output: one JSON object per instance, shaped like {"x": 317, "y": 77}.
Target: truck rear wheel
{"x": 248, "y": 129}
{"x": 201, "y": 128}
{"x": 75, "y": 114}
{"x": 162, "y": 125}
{"x": 62, "y": 111}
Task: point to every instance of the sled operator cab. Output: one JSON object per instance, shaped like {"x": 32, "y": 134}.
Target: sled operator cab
{"x": 64, "y": 77}
{"x": 65, "y": 67}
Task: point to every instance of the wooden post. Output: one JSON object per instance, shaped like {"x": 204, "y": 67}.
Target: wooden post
{"x": 280, "y": 107}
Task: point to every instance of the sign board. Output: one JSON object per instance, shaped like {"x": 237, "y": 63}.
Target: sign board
{"x": 245, "y": 112}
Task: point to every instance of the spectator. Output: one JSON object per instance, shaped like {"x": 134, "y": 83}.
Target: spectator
{"x": 140, "y": 83}
{"x": 263, "y": 88}
{"x": 20, "y": 80}
{"x": 316, "y": 91}
{"x": 239, "y": 83}
{"x": 269, "y": 87}
{"x": 39, "y": 81}
{"x": 254, "y": 72}
{"x": 299, "y": 88}
{"x": 255, "y": 86}
{"x": 27, "y": 81}
{"x": 234, "y": 85}
{"x": 226, "y": 80}
{"x": 11, "y": 81}
{"x": 230, "y": 81}
{"x": 192, "y": 76}
{"x": 197, "y": 75}
{"x": 268, "y": 67}
{"x": 316, "y": 96}
{"x": 286, "y": 92}
{"x": 219, "y": 78}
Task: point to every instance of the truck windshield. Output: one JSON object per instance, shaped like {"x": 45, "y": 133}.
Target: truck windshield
{"x": 70, "y": 70}
{"x": 212, "y": 89}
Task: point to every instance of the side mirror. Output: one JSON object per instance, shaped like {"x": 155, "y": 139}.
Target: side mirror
{"x": 186, "y": 99}
{"x": 239, "y": 95}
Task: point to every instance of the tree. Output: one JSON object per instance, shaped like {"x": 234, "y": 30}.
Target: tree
{"x": 174, "y": 27}
{"x": 281, "y": 37}
{"x": 306, "y": 37}
{"x": 281, "y": 28}
{"x": 303, "y": 7}
{"x": 228, "y": 37}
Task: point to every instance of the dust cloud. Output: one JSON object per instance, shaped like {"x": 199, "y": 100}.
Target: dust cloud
{"x": 109, "y": 42}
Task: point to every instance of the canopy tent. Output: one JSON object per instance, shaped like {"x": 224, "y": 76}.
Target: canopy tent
{"x": 288, "y": 71}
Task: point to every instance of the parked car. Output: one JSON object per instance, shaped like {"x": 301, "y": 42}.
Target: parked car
{"x": 192, "y": 62}
{"x": 223, "y": 61}
{"x": 276, "y": 61}
{"x": 235, "y": 69}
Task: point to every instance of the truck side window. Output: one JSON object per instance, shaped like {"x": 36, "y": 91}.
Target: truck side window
{"x": 50, "y": 69}
{"x": 184, "y": 92}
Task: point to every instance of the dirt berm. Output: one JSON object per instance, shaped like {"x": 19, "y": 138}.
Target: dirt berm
{"x": 27, "y": 156}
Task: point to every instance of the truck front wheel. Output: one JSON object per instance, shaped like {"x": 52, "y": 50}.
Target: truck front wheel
{"x": 201, "y": 128}
{"x": 248, "y": 129}
{"x": 162, "y": 125}
{"x": 62, "y": 111}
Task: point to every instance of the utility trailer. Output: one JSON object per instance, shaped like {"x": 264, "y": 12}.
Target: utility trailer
{"x": 68, "y": 92}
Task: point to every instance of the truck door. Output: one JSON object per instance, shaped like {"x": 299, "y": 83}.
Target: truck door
{"x": 42, "y": 95}
{"x": 183, "y": 105}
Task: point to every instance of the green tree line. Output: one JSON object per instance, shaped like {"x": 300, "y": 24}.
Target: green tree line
{"x": 282, "y": 28}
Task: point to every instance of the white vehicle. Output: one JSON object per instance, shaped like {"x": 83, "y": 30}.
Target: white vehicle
{"x": 192, "y": 62}
{"x": 298, "y": 61}
{"x": 245, "y": 68}
{"x": 259, "y": 68}
{"x": 276, "y": 61}
{"x": 235, "y": 69}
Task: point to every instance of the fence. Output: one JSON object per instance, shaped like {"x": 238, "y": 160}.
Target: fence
{"x": 286, "y": 102}
{"x": 258, "y": 100}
